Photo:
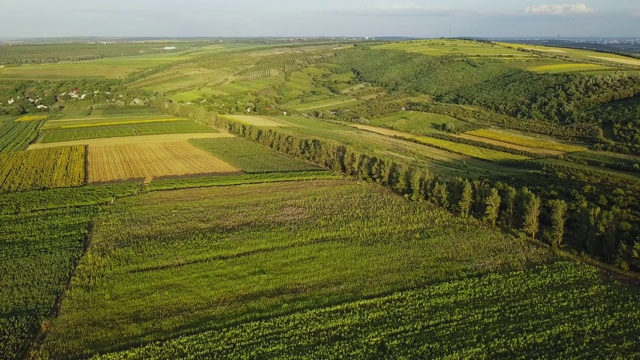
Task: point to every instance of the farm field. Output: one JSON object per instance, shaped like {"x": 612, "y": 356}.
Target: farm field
{"x": 227, "y": 255}
{"x": 39, "y": 252}
{"x": 255, "y": 120}
{"x": 146, "y": 161}
{"x": 251, "y": 157}
{"x": 418, "y": 122}
{"x": 44, "y": 168}
{"x": 525, "y": 140}
{"x": 17, "y": 135}
{"x": 139, "y": 139}
{"x": 463, "y": 149}
{"x": 144, "y": 128}
{"x": 106, "y": 121}
{"x": 434, "y": 322}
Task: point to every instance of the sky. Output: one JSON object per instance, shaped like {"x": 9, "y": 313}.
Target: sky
{"x": 299, "y": 18}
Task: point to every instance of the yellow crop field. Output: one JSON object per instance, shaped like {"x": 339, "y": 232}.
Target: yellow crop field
{"x": 525, "y": 140}
{"x": 32, "y": 118}
{"x": 255, "y": 120}
{"x": 138, "y": 161}
{"x": 567, "y": 67}
{"x": 44, "y": 168}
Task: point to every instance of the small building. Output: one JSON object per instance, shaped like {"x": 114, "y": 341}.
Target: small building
{"x": 169, "y": 48}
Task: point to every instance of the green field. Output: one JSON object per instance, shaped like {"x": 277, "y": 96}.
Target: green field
{"x": 144, "y": 128}
{"x": 418, "y": 122}
{"x": 435, "y": 322}
{"x": 18, "y": 135}
{"x": 106, "y": 121}
{"x": 191, "y": 260}
{"x": 39, "y": 252}
{"x": 250, "y": 157}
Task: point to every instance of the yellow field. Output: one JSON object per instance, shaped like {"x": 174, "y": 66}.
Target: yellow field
{"x": 137, "y": 161}
{"x": 620, "y": 60}
{"x": 566, "y": 67}
{"x": 32, "y": 118}
{"x": 142, "y": 139}
{"x": 46, "y": 168}
{"x": 525, "y": 140}
{"x": 254, "y": 120}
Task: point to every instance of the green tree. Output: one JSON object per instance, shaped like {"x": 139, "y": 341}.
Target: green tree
{"x": 466, "y": 199}
{"x": 492, "y": 206}
{"x": 530, "y": 212}
{"x": 510, "y": 196}
{"x": 558, "y": 217}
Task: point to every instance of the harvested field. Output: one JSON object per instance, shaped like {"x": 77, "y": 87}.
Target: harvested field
{"x": 143, "y": 139}
{"x": 136, "y": 161}
{"x": 255, "y": 120}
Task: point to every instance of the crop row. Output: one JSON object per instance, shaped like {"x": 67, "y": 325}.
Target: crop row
{"x": 532, "y": 313}
{"x": 37, "y": 254}
{"x": 15, "y": 136}
{"x": 43, "y": 168}
{"x": 96, "y": 132}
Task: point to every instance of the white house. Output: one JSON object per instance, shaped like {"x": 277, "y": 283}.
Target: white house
{"x": 169, "y": 48}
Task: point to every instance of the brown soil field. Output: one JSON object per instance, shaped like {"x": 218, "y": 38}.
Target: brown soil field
{"x": 148, "y": 160}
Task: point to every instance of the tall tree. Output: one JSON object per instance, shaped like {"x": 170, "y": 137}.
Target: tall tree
{"x": 558, "y": 218}
{"x": 510, "y": 196}
{"x": 530, "y": 212}
{"x": 492, "y": 206}
{"x": 466, "y": 199}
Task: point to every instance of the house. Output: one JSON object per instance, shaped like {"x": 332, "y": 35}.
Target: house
{"x": 169, "y": 48}
{"x": 42, "y": 107}
{"x": 11, "y": 101}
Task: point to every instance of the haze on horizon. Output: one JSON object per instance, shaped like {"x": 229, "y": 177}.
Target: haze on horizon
{"x": 240, "y": 18}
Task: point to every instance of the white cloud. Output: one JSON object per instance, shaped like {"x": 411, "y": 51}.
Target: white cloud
{"x": 559, "y": 9}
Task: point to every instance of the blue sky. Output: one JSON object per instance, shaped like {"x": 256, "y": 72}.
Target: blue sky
{"x": 419, "y": 18}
